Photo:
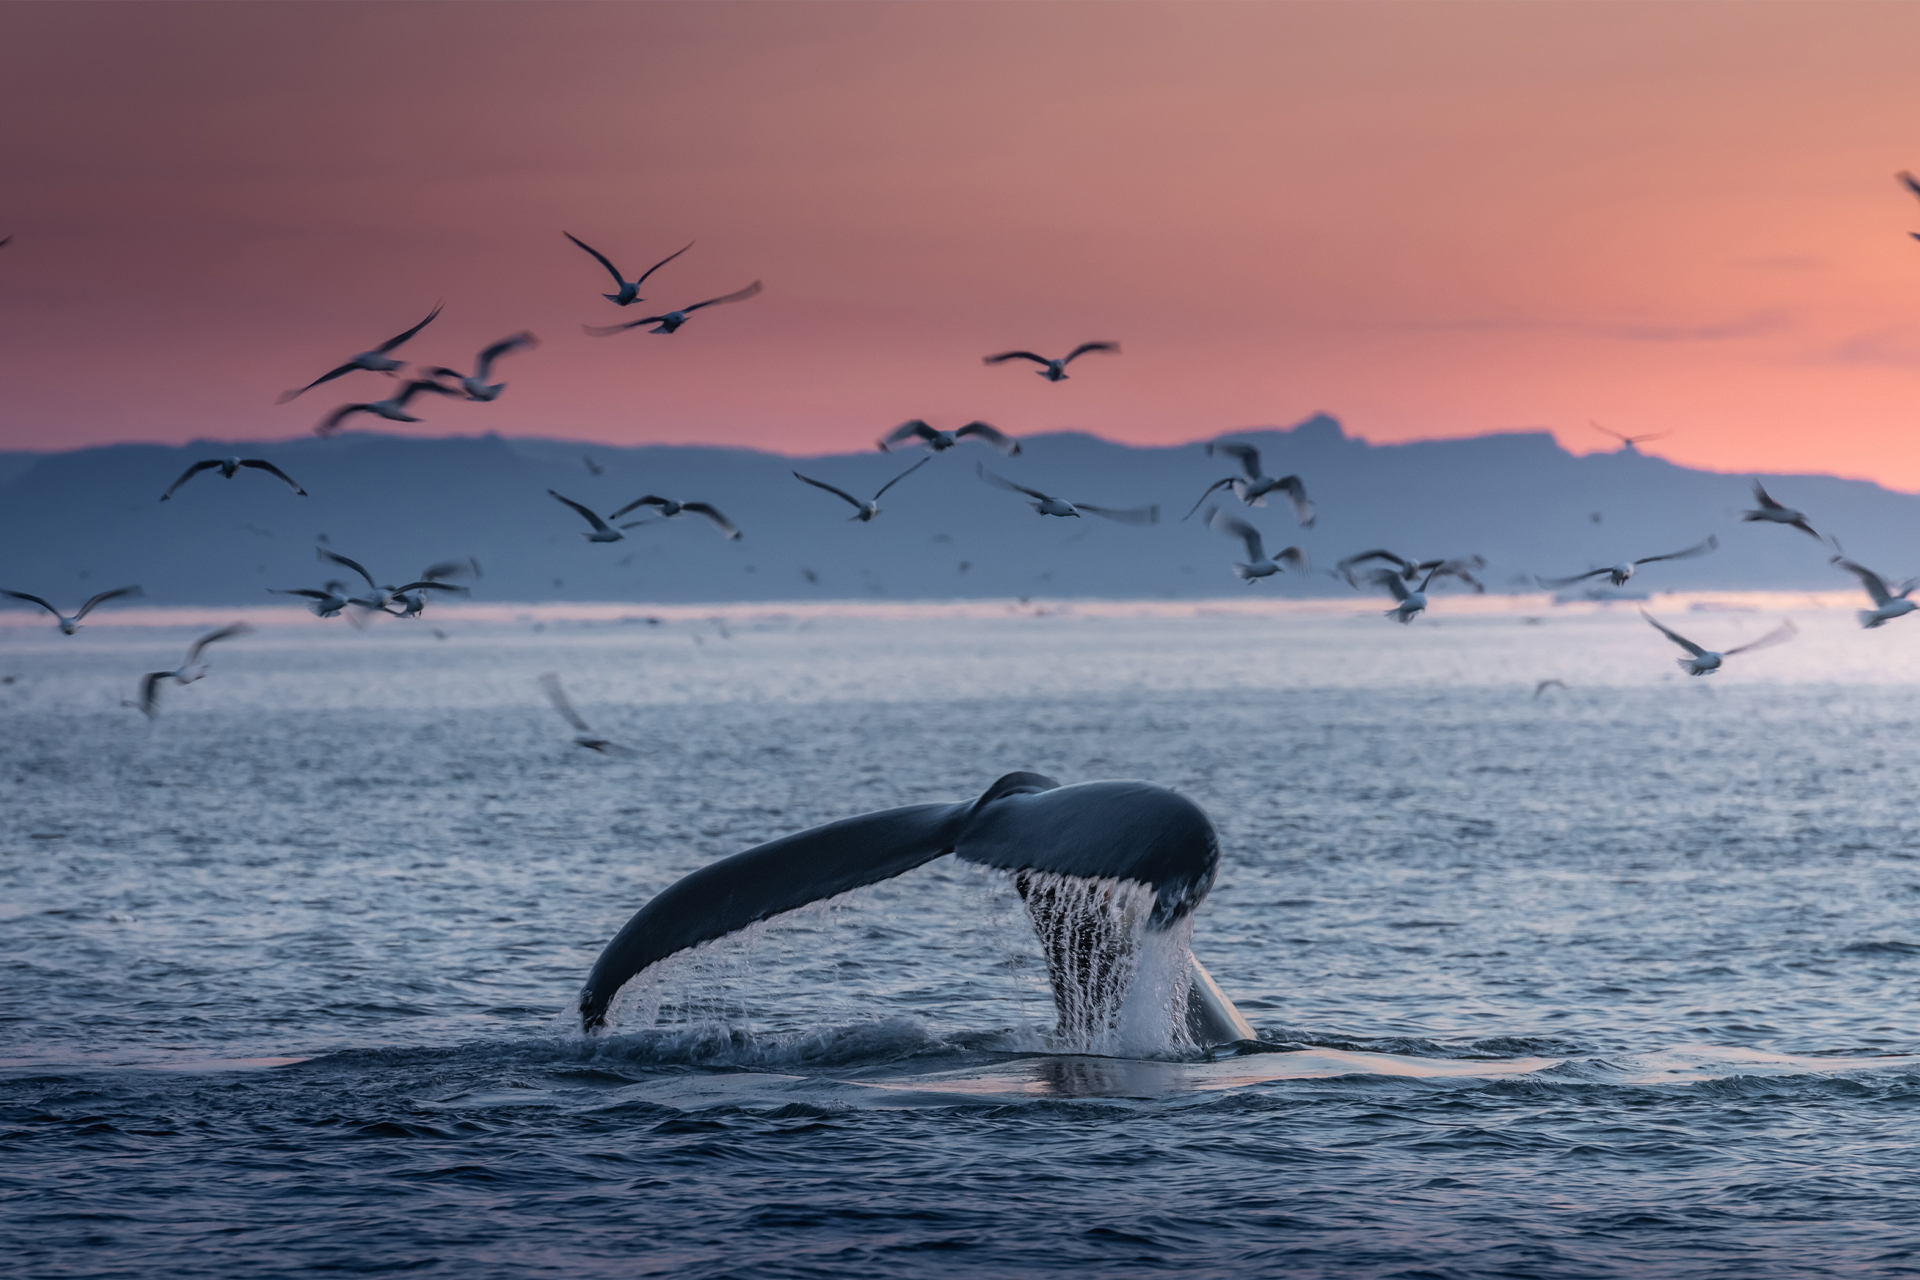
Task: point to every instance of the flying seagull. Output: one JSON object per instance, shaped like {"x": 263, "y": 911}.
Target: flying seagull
{"x": 1774, "y": 513}
{"x": 70, "y": 625}
{"x": 228, "y": 467}
{"x": 1619, "y": 573}
{"x": 1704, "y": 662}
{"x": 477, "y": 387}
{"x": 1887, "y": 605}
{"x": 187, "y": 672}
{"x": 864, "y": 511}
{"x": 1627, "y": 443}
{"x": 1253, "y": 487}
{"x": 1410, "y": 600}
{"x": 393, "y": 408}
{"x": 1462, "y": 567}
{"x": 1048, "y": 505}
{"x": 328, "y": 601}
{"x": 669, "y": 509}
{"x": 1545, "y": 685}
{"x": 1258, "y": 564}
{"x": 940, "y": 441}
{"x": 374, "y": 361}
{"x": 583, "y": 735}
{"x": 672, "y": 320}
{"x": 629, "y": 289}
{"x": 384, "y": 594}
{"x": 602, "y": 531}
{"x": 1054, "y": 370}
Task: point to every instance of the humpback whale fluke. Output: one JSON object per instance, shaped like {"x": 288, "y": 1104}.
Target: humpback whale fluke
{"x": 1124, "y": 833}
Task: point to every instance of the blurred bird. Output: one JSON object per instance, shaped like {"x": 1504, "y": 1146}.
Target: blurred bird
{"x": 1253, "y": 487}
{"x": 1545, "y": 685}
{"x": 1774, "y": 513}
{"x": 1704, "y": 662}
{"x": 477, "y": 387}
{"x": 1627, "y": 443}
{"x": 1412, "y": 600}
{"x": 1054, "y": 370}
{"x": 70, "y": 625}
{"x": 385, "y": 595}
{"x": 1048, "y": 505}
{"x": 228, "y": 468}
{"x": 393, "y": 408}
{"x": 1462, "y": 567}
{"x": 940, "y": 441}
{"x": 583, "y": 735}
{"x": 668, "y": 509}
{"x": 629, "y": 289}
{"x": 602, "y": 531}
{"x": 1887, "y": 605}
{"x": 1258, "y": 565}
{"x": 374, "y": 361}
{"x": 328, "y": 600}
{"x": 1907, "y": 180}
{"x": 864, "y": 511}
{"x": 593, "y": 468}
{"x": 1619, "y": 573}
{"x": 672, "y": 320}
{"x": 6, "y": 242}
{"x": 187, "y": 672}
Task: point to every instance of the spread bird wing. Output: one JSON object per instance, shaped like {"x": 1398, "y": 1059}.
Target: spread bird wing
{"x": 1085, "y": 347}
{"x": 651, "y": 500}
{"x": 822, "y": 484}
{"x": 1125, "y": 515}
{"x": 720, "y": 522}
{"x": 149, "y": 703}
{"x": 418, "y": 385}
{"x": 992, "y": 435}
{"x": 1296, "y": 490}
{"x": 738, "y": 295}
{"x": 1248, "y": 455}
{"x": 1554, "y": 584}
{"x": 1907, "y": 180}
{"x": 189, "y": 474}
{"x": 598, "y": 257}
{"x": 261, "y": 464}
{"x": 105, "y": 596}
{"x": 908, "y": 431}
{"x": 1875, "y": 585}
{"x": 1005, "y": 356}
{"x": 1765, "y": 500}
{"x": 1391, "y": 581}
{"x": 328, "y": 376}
{"x": 599, "y": 525}
{"x": 428, "y": 584}
{"x": 1234, "y": 527}
{"x": 518, "y": 342}
{"x": 1217, "y": 484}
{"x": 21, "y": 595}
{"x": 1004, "y": 483}
{"x": 558, "y": 697}
{"x": 308, "y": 592}
{"x": 332, "y": 422}
{"x": 902, "y": 476}
{"x": 1674, "y": 636}
{"x": 397, "y": 339}
{"x": 1698, "y": 549}
{"x": 608, "y": 330}
{"x": 212, "y": 637}
{"x": 322, "y": 553}
{"x": 1779, "y": 635}
{"x": 656, "y": 266}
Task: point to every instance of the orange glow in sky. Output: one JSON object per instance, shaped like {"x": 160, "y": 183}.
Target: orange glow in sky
{"x": 1430, "y": 219}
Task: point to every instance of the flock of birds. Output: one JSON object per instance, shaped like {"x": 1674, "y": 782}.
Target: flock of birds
{"x": 1406, "y": 580}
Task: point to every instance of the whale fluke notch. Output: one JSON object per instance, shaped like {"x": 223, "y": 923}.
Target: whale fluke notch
{"x": 1025, "y": 822}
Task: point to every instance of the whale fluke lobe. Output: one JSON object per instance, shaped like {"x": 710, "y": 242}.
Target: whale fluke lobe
{"x": 1097, "y": 863}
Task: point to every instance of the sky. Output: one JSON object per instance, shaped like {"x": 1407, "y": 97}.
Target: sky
{"x": 1431, "y": 219}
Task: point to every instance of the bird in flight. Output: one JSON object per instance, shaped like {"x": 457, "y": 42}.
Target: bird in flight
{"x": 375, "y": 361}
{"x": 187, "y": 672}
{"x": 1253, "y": 487}
{"x": 1258, "y": 565}
{"x": 1704, "y": 662}
{"x": 477, "y": 387}
{"x": 1627, "y": 443}
{"x": 1887, "y": 604}
{"x": 1544, "y": 685}
{"x": 602, "y": 531}
{"x": 328, "y": 600}
{"x": 668, "y": 509}
{"x": 393, "y": 408}
{"x": 864, "y": 511}
{"x": 672, "y": 320}
{"x": 1462, "y": 567}
{"x": 1053, "y": 370}
{"x": 1409, "y": 599}
{"x": 1619, "y": 573}
{"x": 629, "y": 289}
{"x": 1048, "y": 505}
{"x": 70, "y": 625}
{"x": 583, "y": 734}
{"x": 940, "y": 441}
{"x": 228, "y": 468}
{"x": 1773, "y": 513}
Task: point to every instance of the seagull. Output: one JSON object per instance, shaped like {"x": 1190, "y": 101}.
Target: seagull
{"x": 584, "y": 735}
{"x": 477, "y": 387}
{"x": 593, "y": 468}
{"x": 187, "y": 672}
{"x": 1545, "y": 685}
{"x": 1627, "y": 442}
{"x": 864, "y": 511}
{"x": 328, "y": 601}
{"x": 384, "y": 594}
{"x": 374, "y": 361}
{"x": 1704, "y": 662}
{"x": 1254, "y": 487}
{"x": 393, "y": 408}
{"x": 940, "y": 441}
{"x": 1907, "y": 180}
{"x": 1055, "y": 370}
{"x": 70, "y": 625}
{"x": 228, "y": 467}
{"x": 1774, "y": 513}
{"x": 602, "y": 531}
{"x": 1258, "y": 566}
{"x": 669, "y": 509}
{"x": 1887, "y": 605}
{"x": 1412, "y": 600}
{"x": 1462, "y": 567}
{"x": 1619, "y": 573}
{"x": 672, "y": 320}
{"x": 1048, "y": 505}
{"x": 629, "y": 289}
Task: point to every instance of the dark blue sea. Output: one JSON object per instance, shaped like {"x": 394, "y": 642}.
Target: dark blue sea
{"x": 1622, "y": 980}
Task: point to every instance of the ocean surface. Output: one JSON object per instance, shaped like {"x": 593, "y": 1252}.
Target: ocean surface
{"x": 1621, "y": 980}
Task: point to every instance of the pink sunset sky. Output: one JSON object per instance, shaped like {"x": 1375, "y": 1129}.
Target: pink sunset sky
{"x": 1429, "y": 219}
